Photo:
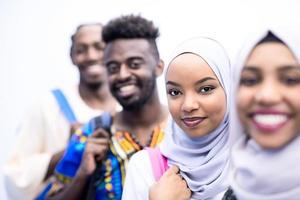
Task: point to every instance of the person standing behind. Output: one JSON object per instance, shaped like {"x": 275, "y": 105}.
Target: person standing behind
{"x": 133, "y": 64}
{"x": 266, "y": 116}
{"x": 44, "y": 133}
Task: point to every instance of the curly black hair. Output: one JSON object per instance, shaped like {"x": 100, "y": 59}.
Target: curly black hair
{"x": 131, "y": 27}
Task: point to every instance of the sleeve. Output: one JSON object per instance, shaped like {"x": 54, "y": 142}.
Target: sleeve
{"x": 68, "y": 166}
{"x": 26, "y": 167}
{"x": 139, "y": 177}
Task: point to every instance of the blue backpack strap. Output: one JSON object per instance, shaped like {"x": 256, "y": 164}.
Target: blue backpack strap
{"x": 64, "y": 105}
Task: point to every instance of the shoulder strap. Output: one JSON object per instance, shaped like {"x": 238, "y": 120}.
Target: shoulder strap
{"x": 158, "y": 162}
{"x": 64, "y": 105}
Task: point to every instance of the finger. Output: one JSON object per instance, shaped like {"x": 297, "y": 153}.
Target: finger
{"x": 100, "y": 133}
{"x": 96, "y": 149}
{"x": 171, "y": 170}
{"x": 99, "y": 141}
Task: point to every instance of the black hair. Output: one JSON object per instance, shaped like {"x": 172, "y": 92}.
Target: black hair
{"x": 270, "y": 37}
{"x": 73, "y": 37}
{"x": 131, "y": 27}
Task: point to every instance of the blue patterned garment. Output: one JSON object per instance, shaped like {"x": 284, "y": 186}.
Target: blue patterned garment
{"x": 110, "y": 179}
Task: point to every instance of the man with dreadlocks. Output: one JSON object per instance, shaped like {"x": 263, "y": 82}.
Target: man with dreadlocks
{"x": 132, "y": 61}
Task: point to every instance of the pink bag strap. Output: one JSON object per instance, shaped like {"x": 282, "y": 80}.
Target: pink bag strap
{"x": 158, "y": 162}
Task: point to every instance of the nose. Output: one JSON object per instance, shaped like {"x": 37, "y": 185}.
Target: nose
{"x": 124, "y": 72}
{"x": 190, "y": 103}
{"x": 269, "y": 93}
{"x": 94, "y": 54}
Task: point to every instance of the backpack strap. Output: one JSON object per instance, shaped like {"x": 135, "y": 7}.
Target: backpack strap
{"x": 64, "y": 105}
{"x": 158, "y": 162}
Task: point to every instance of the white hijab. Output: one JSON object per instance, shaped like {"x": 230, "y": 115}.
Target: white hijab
{"x": 257, "y": 173}
{"x": 203, "y": 161}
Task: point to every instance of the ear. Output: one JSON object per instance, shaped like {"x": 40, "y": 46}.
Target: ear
{"x": 72, "y": 56}
{"x": 159, "y": 67}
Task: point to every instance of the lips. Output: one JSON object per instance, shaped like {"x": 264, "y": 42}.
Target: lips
{"x": 192, "y": 122}
{"x": 126, "y": 90}
{"x": 270, "y": 122}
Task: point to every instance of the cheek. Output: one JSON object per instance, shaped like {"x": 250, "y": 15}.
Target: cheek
{"x": 77, "y": 59}
{"x": 215, "y": 106}
{"x": 243, "y": 99}
{"x": 293, "y": 99}
{"x": 174, "y": 108}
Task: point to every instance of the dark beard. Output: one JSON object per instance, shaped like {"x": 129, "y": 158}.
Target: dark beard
{"x": 146, "y": 95}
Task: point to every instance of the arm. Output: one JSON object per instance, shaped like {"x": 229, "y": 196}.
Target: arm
{"x": 26, "y": 167}
{"x": 57, "y": 156}
{"x": 95, "y": 150}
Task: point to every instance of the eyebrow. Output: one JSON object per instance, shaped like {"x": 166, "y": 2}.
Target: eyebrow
{"x": 281, "y": 68}
{"x": 250, "y": 68}
{"x": 289, "y": 67}
{"x": 200, "y": 81}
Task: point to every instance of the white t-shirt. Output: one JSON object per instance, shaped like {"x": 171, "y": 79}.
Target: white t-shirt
{"x": 44, "y": 132}
{"x": 139, "y": 177}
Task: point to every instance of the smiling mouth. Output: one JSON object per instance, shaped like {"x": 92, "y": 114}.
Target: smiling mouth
{"x": 126, "y": 91}
{"x": 269, "y": 123}
{"x": 192, "y": 122}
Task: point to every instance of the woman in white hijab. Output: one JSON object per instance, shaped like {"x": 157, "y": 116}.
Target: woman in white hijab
{"x": 196, "y": 137}
{"x": 265, "y": 120}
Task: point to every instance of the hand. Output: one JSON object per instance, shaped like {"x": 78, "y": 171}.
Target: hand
{"x": 170, "y": 186}
{"x": 74, "y": 127}
{"x": 95, "y": 151}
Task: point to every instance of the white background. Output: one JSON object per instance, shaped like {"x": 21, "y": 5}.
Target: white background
{"x": 35, "y": 40}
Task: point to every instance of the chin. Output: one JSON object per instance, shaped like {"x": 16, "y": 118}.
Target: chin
{"x": 94, "y": 85}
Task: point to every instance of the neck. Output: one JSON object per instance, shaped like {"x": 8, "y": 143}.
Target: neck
{"x": 150, "y": 113}
{"x": 142, "y": 122}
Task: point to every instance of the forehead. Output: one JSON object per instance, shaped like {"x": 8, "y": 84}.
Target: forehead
{"x": 188, "y": 65}
{"x": 122, "y": 49}
{"x": 271, "y": 54}
{"x": 88, "y": 33}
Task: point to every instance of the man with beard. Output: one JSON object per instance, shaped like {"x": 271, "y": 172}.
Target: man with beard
{"x": 133, "y": 63}
{"x": 46, "y": 129}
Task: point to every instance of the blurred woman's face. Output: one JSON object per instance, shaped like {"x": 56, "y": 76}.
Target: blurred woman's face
{"x": 196, "y": 100}
{"x": 268, "y": 97}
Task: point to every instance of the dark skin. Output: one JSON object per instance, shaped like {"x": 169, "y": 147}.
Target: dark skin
{"x": 87, "y": 52}
{"x": 140, "y": 122}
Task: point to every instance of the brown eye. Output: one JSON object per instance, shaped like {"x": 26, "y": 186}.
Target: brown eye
{"x": 290, "y": 81}
{"x": 206, "y": 89}
{"x": 112, "y": 67}
{"x": 174, "y": 92}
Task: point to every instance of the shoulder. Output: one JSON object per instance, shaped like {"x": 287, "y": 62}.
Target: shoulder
{"x": 140, "y": 163}
{"x": 140, "y": 158}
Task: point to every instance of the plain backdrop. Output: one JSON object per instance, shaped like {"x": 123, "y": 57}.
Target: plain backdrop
{"x": 35, "y": 41}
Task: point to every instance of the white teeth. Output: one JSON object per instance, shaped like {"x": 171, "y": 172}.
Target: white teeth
{"x": 127, "y": 88}
{"x": 270, "y": 119}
